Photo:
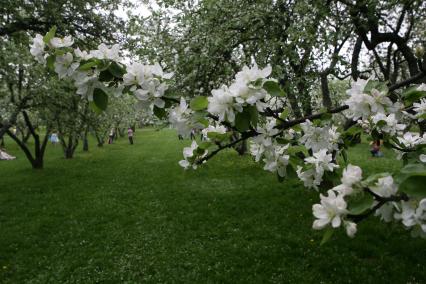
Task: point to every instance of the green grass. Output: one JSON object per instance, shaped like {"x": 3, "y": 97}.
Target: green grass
{"x": 130, "y": 214}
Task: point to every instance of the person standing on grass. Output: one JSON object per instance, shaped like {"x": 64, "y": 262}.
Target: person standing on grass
{"x": 54, "y": 139}
{"x": 5, "y": 156}
{"x": 111, "y": 136}
{"x": 375, "y": 149}
{"x": 130, "y": 135}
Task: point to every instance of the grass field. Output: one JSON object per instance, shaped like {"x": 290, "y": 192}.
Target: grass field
{"x": 130, "y": 214}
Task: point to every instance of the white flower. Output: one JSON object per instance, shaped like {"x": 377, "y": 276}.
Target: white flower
{"x": 263, "y": 141}
{"x": 422, "y": 87}
{"x": 188, "y": 152}
{"x": 64, "y": 65}
{"x": 330, "y": 211}
{"x": 85, "y": 83}
{"x": 276, "y": 160}
{"x": 246, "y": 95}
{"x": 420, "y": 108}
{"x": 386, "y": 211}
{"x": 411, "y": 139}
{"x": 392, "y": 126}
{"x": 357, "y": 87}
{"x": 322, "y": 162}
{"x": 104, "y": 52}
{"x": 413, "y": 215}
{"x": 136, "y": 74}
{"x": 189, "y": 156}
{"x": 221, "y": 103}
{"x": 152, "y": 91}
{"x": 358, "y": 102}
{"x": 252, "y": 74}
{"x": 184, "y": 164}
{"x": 422, "y": 158}
{"x": 309, "y": 178}
{"x": 317, "y": 138}
{"x": 179, "y": 117}
{"x": 82, "y": 54}
{"x": 220, "y": 129}
{"x": 385, "y": 187}
{"x": 351, "y": 175}
{"x": 350, "y": 228}
{"x": 362, "y": 105}
{"x": 380, "y": 101}
{"x": 37, "y": 48}
{"x": 157, "y": 70}
{"x": 57, "y": 42}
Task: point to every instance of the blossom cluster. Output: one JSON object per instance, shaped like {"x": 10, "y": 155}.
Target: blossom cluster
{"x": 226, "y": 101}
{"x": 364, "y": 102}
{"x": 84, "y": 69}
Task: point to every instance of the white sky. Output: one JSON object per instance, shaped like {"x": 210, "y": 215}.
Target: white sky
{"x": 140, "y": 10}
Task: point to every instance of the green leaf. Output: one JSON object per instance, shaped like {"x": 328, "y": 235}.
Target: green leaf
{"x": 285, "y": 113}
{"x": 60, "y": 52}
{"x": 380, "y": 86}
{"x": 282, "y": 140}
{"x": 116, "y": 70}
{"x": 100, "y": 98}
{"x": 326, "y": 116}
{"x": 50, "y": 62}
{"x": 254, "y": 115}
{"x": 327, "y": 235}
{"x": 292, "y": 150}
{"x": 257, "y": 84}
{"x": 344, "y": 155}
{"x": 359, "y": 203}
{"x": 242, "y": 121}
{"x": 414, "y": 186}
{"x": 204, "y": 145}
{"x": 414, "y": 169}
{"x": 159, "y": 112}
{"x": 273, "y": 88}
{"x": 105, "y": 76}
{"x": 88, "y": 65}
{"x": 204, "y": 121}
{"x": 219, "y": 136}
{"x": 291, "y": 171}
{"x": 373, "y": 178}
{"x": 95, "y": 108}
{"x": 199, "y": 103}
{"x": 412, "y": 94}
{"x": 50, "y": 35}
{"x": 412, "y": 180}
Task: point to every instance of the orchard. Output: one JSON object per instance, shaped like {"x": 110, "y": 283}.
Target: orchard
{"x": 294, "y": 87}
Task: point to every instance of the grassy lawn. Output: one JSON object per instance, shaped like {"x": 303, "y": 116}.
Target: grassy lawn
{"x": 130, "y": 214}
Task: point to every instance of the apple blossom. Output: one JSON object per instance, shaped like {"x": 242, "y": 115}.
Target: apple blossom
{"x": 57, "y": 42}
{"x": 331, "y": 210}
{"x": 37, "y": 49}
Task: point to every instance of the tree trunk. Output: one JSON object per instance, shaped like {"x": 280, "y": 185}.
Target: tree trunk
{"x": 326, "y": 100}
{"x": 68, "y": 152}
{"x": 69, "y": 148}
{"x": 37, "y": 161}
{"x": 85, "y": 141}
{"x": 100, "y": 140}
{"x": 241, "y": 147}
{"x": 26, "y": 136}
{"x": 292, "y": 98}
